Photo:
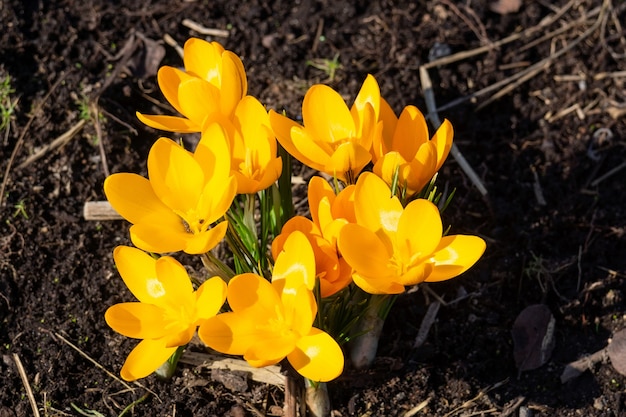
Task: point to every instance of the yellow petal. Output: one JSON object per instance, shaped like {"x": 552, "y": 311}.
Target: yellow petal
{"x": 138, "y": 270}
{"x": 363, "y": 250}
{"x": 317, "y": 357}
{"x": 343, "y": 206}
{"x": 326, "y": 115}
{"x": 210, "y": 297}
{"x": 219, "y": 332}
{"x": 133, "y": 197}
{"x": 169, "y": 123}
{"x": 203, "y": 59}
{"x": 419, "y": 229}
{"x": 174, "y": 283}
{"x": 300, "y": 223}
{"x": 199, "y": 101}
{"x": 175, "y": 175}
{"x": 375, "y": 208}
{"x": 136, "y": 320}
{"x": 234, "y": 83}
{"x": 455, "y": 255}
{"x": 203, "y": 242}
{"x": 145, "y": 358}
{"x": 295, "y": 265}
{"x": 416, "y": 275}
{"x": 310, "y": 151}
{"x": 299, "y": 309}
{"x": 343, "y": 279}
{"x": 387, "y": 165}
{"x": 159, "y": 236}
{"x": 282, "y": 127}
{"x": 270, "y": 348}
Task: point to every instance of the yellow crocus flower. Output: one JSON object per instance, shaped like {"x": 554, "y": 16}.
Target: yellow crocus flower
{"x": 252, "y": 145}
{"x": 333, "y": 138}
{"x": 273, "y": 321}
{"x": 185, "y": 194}
{"x": 391, "y": 247}
{"x": 406, "y": 148}
{"x": 213, "y": 83}
{"x": 168, "y": 311}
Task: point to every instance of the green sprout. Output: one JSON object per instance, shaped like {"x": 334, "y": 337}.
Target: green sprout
{"x": 7, "y": 106}
{"x": 329, "y": 66}
{"x": 20, "y": 209}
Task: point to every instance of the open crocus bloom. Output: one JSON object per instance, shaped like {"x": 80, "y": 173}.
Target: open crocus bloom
{"x": 252, "y": 146}
{"x": 329, "y": 212}
{"x": 392, "y": 247}
{"x": 406, "y": 148}
{"x": 176, "y": 208}
{"x": 271, "y": 321}
{"x": 334, "y": 139}
{"x": 168, "y": 312}
{"x": 213, "y": 82}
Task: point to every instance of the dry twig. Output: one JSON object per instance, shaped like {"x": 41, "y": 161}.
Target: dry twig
{"x": 29, "y": 391}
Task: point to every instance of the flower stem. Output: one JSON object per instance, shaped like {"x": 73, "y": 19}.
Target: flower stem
{"x": 369, "y": 328}
{"x": 317, "y": 399}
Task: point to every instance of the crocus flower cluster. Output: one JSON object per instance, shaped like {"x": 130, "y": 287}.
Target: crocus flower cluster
{"x": 372, "y": 228}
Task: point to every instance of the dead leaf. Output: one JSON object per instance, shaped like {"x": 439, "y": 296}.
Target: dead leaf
{"x": 505, "y": 6}
{"x": 533, "y": 337}
{"x": 617, "y": 351}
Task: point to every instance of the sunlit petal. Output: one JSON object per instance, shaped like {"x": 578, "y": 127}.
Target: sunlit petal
{"x": 247, "y": 290}
{"x": 133, "y": 197}
{"x": 136, "y": 320}
{"x": 377, "y": 284}
{"x": 210, "y": 297}
{"x": 326, "y": 115}
{"x": 419, "y": 229}
{"x": 317, "y": 357}
{"x": 349, "y": 158}
{"x": 363, "y": 250}
{"x": 145, "y": 358}
{"x": 375, "y": 208}
{"x": 295, "y": 264}
{"x": 169, "y": 123}
{"x": 411, "y": 132}
{"x": 203, "y": 242}
{"x": 138, "y": 270}
{"x": 455, "y": 255}
{"x": 203, "y": 59}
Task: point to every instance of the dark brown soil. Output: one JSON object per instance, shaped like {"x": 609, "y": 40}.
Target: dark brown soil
{"x": 561, "y": 132}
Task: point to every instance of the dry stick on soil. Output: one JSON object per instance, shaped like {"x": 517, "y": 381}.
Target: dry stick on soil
{"x": 429, "y": 97}
{"x": 171, "y": 42}
{"x": 472, "y": 402}
{"x": 29, "y": 391}
{"x": 20, "y": 140}
{"x": 57, "y": 143}
{"x": 468, "y": 54}
{"x": 203, "y": 30}
{"x": 417, "y": 408}
{"x": 427, "y": 322}
{"x": 574, "y": 369}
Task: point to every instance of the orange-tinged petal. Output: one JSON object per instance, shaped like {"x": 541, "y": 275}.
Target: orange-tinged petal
{"x": 443, "y": 142}
{"x": 228, "y": 333}
{"x": 175, "y": 176}
{"x": 344, "y": 278}
{"x": 270, "y": 348}
{"x": 234, "y": 84}
{"x": 326, "y": 115}
{"x": 247, "y": 290}
{"x": 169, "y": 123}
{"x": 169, "y": 79}
{"x": 145, "y": 358}
{"x": 320, "y": 196}
{"x": 133, "y": 197}
{"x": 210, "y": 297}
{"x": 455, "y": 255}
{"x": 382, "y": 143}
{"x": 377, "y": 284}
{"x": 416, "y": 274}
{"x": 300, "y": 223}
{"x": 411, "y": 132}
{"x": 136, "y": 320}
{"x": 387, "y": 165}
{"x": 343, "y": 206}
{"x": 347, "y": 161}
{"x": 375, "y": 208}
{"x": 295, "y": 265}
{"x": 363, "y": 250}
{"x": 369, "y": 94}
{"x": 205, "y": 241}
{"x": 317, "y": 357}
{"x": 419, "y": 229}
{"x": 310, "y": 151}
{"x": 282, "y": 127}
